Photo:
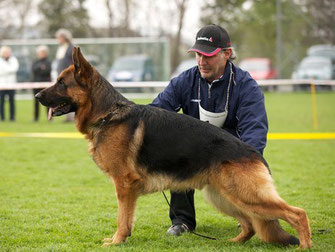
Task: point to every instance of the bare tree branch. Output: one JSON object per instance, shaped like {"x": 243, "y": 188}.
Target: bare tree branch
{"x": 110, "y": 18}
{"x": 181, "y": 6}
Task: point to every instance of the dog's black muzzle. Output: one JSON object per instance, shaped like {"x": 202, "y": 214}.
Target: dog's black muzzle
{"x": 39, "y": 95}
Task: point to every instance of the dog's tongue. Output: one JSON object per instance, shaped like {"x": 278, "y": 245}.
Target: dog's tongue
{"x": 50, "y": 114}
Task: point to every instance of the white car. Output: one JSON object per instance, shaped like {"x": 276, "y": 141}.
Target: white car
{"x": 315, "y": 67}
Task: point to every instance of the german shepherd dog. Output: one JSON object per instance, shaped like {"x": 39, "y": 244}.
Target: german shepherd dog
{"x": 145, "y": 149}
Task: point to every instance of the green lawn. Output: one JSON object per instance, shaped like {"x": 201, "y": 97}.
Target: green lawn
{"x": 54, "y": 198}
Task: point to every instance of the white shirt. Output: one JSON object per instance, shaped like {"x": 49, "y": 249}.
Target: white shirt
{"x": 61, "y": 50}
{"x": 8, "y": 69}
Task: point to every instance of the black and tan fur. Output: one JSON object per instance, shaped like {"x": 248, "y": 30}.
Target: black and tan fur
{"x": 144, "y": 149}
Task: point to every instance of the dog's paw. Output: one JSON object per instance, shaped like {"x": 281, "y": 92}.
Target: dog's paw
{"x": 235, "y": 240}
{"x": 107, "y": 240}
{"x": 117, "y": 239}
{"x": 106, "y": 244}
{"x": 305, "y": 245}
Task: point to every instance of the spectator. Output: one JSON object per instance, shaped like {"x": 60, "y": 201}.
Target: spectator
{"x": 41, "y": 72}
{"x": 8, "y": 68}
{"x": 64, "y": 56}
{"x": 64, "y": 50}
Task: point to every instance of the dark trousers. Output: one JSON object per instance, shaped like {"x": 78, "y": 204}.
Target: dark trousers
{"x": 182, "y": 204}
{"x": 10, "y": 94}
{"x": 36, "y": 104}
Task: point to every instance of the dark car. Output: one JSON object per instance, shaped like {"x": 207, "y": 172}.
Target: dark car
{"x": 132, "y": 68}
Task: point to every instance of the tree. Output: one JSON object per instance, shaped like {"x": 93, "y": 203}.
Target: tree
{"x": 120, "y": 27}
{"x": 127, "y": 12}
{"x": 22, "y": 8}
{"x": 323, "y": 16}
{"x": 110, "y": 18}
{"x": 69, "y": 14}
{"x": 253, "y": 29}
{"x": 13, "y": 17}
{"x": 181, "y": 7}
{"x": 227, "y": 13}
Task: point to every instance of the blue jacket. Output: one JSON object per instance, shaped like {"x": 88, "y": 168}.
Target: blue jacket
{"x": 246, "y": 118}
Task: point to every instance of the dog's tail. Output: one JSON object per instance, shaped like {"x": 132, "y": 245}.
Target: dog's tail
{"x": 271, "y": 231}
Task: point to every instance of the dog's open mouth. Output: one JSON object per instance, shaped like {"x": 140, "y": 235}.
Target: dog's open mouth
{"x": 59, "y": 110}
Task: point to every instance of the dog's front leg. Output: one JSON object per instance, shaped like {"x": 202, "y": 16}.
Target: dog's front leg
{"x": 127, "y": 195}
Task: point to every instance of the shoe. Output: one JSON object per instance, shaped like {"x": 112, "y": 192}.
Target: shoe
{"x": 177, "y": 229}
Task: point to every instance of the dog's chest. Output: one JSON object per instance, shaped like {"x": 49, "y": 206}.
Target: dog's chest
{"x": 114, "y": 150}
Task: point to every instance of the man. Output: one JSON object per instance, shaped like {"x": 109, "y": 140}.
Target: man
{"x": 8, "y": 68}
{"x": 220, "y": 93}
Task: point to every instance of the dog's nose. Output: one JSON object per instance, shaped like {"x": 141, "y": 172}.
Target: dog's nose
{"x": 39, "y": 95}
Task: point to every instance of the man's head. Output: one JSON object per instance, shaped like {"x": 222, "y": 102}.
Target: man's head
{"x": 64, "y": 36}
{"x": 42, "y": 52}
{"x": 5, "y": 52}
{"x": 213, "y": 49}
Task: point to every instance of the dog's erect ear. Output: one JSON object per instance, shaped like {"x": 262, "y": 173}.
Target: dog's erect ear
{"x": 83, "y": 69}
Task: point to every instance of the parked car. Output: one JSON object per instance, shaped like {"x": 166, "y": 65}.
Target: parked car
{"x": 132, "y": 68}
{"x": 315, "y": 67}
{"x": 259, "y": 68}
{"x": 323, "y": 50}
{"x": 183, "y": 66}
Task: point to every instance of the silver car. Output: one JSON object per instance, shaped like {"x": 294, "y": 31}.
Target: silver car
{"x": 315, "y": 67}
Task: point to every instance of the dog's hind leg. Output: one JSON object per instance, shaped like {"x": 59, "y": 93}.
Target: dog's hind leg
{"x": 271, "y": 231}
{"x": 226, "y": 207}
{"x": 249, "y": 187}
{"x": 127, "y": 194}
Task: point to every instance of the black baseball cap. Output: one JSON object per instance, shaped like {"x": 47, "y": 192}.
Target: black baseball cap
{"x": 210, "y": 40}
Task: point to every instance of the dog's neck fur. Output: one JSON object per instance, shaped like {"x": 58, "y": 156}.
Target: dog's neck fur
{"x": 103, "y": 97}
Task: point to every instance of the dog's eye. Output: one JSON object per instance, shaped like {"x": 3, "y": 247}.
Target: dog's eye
{"x": 61, "y": 85}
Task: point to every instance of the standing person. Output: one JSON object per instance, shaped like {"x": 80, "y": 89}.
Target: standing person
{"x": 64, "y": 56}
{"x": 220, "y": 93}
{"x": 41, "y": 72}
{"x": 8, "y": 68}
{"x": 64, "y": 50}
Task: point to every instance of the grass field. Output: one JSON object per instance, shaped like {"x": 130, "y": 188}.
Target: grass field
{"x": 54, "y": 198}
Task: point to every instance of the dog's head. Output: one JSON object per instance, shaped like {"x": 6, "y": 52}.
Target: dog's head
{"x": 70, "y": 92}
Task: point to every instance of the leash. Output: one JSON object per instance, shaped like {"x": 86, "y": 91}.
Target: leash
{"x": 183, "y": 225}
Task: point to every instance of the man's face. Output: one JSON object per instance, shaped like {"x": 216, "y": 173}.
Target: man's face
{"x": 41, "y": 54}
{"x": 6, "y": 53}
{"x": 61, "y": 40}
{"x": 212, "y": 67}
